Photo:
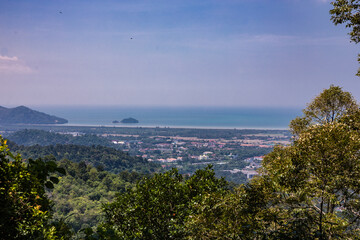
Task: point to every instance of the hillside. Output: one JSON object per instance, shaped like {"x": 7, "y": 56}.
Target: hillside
{"x": 110, "y": 159}
{"x": 25, "y": 115}
{"x": 29, "y": 137}
{"x": 81, "y": 193}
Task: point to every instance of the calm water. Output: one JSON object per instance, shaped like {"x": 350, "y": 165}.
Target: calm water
{"x": 201, "y": 117}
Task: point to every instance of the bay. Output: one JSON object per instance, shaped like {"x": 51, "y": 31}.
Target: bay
{"x": 189, "y": 117}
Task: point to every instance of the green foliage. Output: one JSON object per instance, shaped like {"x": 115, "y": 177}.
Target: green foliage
{"x": 316, "y": 180}
{"x": 109, "y": 158}
{"x": 348, "y": 12}
{"x": 308, "y": 190}
{"x": 30, "y": 137}
{"x": 241, "y": 214}
{"x": 79, "y": 197}
{"x": 329, "y": 106}
{"x": 158, "y": 206}
{"x": 24, "y": 207}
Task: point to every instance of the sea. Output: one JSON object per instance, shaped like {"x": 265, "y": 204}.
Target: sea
{"x": 176, "y": 117}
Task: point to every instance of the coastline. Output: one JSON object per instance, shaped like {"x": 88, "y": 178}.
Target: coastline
{"x": 137, "y": 126}
{"x": 184, "y": 117}
{"x": 176, "y": 127}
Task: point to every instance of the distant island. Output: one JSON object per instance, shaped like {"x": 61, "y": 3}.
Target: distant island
{"x": 129, "y": 120}
{"x": 126, "y": 120}
{"x": 25, "y": 115}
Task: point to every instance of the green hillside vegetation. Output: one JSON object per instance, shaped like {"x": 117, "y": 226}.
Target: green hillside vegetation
{"x": 158, "y": 207}
{"x": 81, "y": 193}
{"x": 29, "y": 137}
{"x": 25, "y": 115}
{"x": 25, "y": 208}
{"x": 110, "y": 159}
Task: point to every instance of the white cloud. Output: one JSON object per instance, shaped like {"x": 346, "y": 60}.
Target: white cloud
{"x": 6, "y": 58}
{"x": 13, "y": 65}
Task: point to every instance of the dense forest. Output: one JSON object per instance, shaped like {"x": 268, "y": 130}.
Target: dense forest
{"x": 29, "y": 137}
{"x": 94, "y": 174}
{"x": 108, "y": 158}
{"x": 81, "y": 193}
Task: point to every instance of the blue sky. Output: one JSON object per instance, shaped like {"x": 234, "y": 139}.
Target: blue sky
{"x": 276, "y": 53}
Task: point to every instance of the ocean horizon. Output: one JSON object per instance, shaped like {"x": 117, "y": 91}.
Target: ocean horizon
{"x": 177, "y": 117}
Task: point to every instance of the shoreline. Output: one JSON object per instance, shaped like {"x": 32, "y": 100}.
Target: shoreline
{"x": 147, "y": 126}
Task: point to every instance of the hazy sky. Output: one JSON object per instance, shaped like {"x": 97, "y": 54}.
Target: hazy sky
{"x": 172, "y": 52}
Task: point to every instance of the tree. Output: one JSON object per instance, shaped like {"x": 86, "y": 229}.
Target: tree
{"x": 25, "y": 209}
{"x": 158, "y": 206}
{"x": 242, "y": 214}
{"x": 317, "y": 177}
{"x": 348, "y": 12}
{"x": 329, "y": 106}
{"x": 307, "y": 190}
{"x": 317, "y": 182}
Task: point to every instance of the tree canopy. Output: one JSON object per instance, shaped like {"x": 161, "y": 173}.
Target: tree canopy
{"x": 158, "y": 207}
{"x": 25, "y": 209}
{"x": 329, "y": 106}
{"x": 307, "y": 190}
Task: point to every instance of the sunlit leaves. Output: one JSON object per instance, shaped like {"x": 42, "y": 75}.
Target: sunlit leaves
{"x": 329, "y": 106}
{"x": 307, "y": 190}
{"x": 24, "y": 206}
{"x": 158, "y": 207}
{"x": 318, "y": 175}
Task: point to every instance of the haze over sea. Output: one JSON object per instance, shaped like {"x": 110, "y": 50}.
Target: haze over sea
{"x": 189, "y": 117}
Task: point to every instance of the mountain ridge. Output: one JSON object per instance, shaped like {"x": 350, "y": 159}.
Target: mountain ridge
{"x": 25, "y": 115}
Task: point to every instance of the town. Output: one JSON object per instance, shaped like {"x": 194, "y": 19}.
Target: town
{"x": 235, "y": 154}
{"x": 231, "y": 154}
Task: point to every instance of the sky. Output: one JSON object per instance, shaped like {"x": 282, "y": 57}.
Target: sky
{"x": 233, "y": 53}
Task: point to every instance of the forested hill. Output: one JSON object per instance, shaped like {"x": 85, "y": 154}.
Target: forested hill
{"x": 25, "y": 115}
{"x": 108, "y": 158}
{"x": 81, "y": 193}
{"x": 28, "y": 137}
{"x": 95, "y": 173}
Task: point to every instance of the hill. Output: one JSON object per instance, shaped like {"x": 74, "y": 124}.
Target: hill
{"x": 25, "y": 115}
{"x": 108, "y": 158}
{"x": 91, "y": 149}
{"x": 29, "y": 137}
{"x": 81, "y": 193}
